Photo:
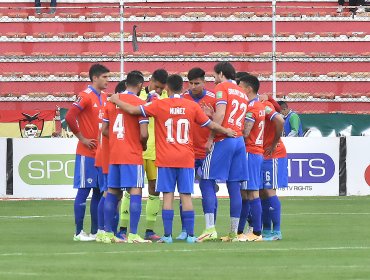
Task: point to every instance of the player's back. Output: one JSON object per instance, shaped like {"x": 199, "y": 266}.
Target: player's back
{"x": 236, "y": 102}
{"x": 124, "y": 132}
{"x": 256, "y": 114}
{"x": 269, "y": 135}
{"x": 175, "y": 120}
{"x": 91, "y": 105}
{"x": 201, "y": 134}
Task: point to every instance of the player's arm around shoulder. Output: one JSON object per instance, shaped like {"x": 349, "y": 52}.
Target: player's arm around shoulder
{"x": 126, "y": 107}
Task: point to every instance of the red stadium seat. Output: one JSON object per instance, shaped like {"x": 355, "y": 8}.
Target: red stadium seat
{"x": 263, "y": 14}
{"x": 37, "y": 94}
{"x": 360, "y": 74}
{"x": 12, "y": 54}
{"x": 84, "y": 75}
{"x": 145, "y": 14}
{"x": 316, "y": 14}
{"x": 67, "y": 35}
{"x": 65, "y": 74}
{"x": 63, "y": 94}
{"x": 42, "y": 35}
{"x": 285, "y": 74}
{"x": 195, "y": 34}
{"x": 309, "y": 74}
{"x": 16, "y": 35}
{"x": 316, "y": 94}
{"x": 356, "y": 34}
{"x": 171, "y": 14}
{"x": 145, "y": 34}
{"x": 345, "y": 54}
{"x": 169, "y": 53}
{"x": 12, "y": 74}
{"x": 23, "y": 15}
{"x": 196, "y": 14}
{"x": 321, "y": 54}
{"x": 290, "y": 14}
{"x": 92, "y": 54}
{"x": 69, "y": 15}
{"x": 219, "y": 54}
{"x": 305, "y": 34}
{"x": 294, "y": 54}
{"x": 67, "y": 54}
{"x": 223, "y": 34}
{"x": 10, "y": 94}
{"x": 337, "y": 74}
{"x": 170, "y": 34}
{"x": 328, "y": 95}
{"x": 118, "y": 34}
{"x": 194, "y": 53}
{"x": 42, "y": 54}
{"x": 144, "y": 54}
{"x": 253, "y": 34}
{"x": 40, "y": 74}
{"x": 114, "y": 54}
{"x": 221, "y": 14}
{"x": 244, "y": 54}
{"x": 95, "y": 15}
{"x": 90, "y": 35}
{"x": 330, "y": 34}
{"x": 118, "y": 15}
{"x": 283, "y": 34}
{"x": 244, "y": 14}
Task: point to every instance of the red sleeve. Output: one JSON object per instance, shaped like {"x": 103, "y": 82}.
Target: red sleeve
{"x": 150, "y": 109}
{"x": 106, "y": 114}
{"x": 82, "y": 101}
{"x": 274, "y": 103}
{"x": 200, "y": 117}
{"x": 71, "y": 119}
{"x": 143, "y": 119}
{"x": 270, "y": 112}
{"x": 221, "y": 95}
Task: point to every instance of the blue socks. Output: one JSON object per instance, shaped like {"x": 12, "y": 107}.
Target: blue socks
{"x": 243, "y": 215}
{"x": 266, "y": 218}
{"x": 209, "y": 200}
{"x": 95, "y": 199}
{"x": 116, "y": 222}
{"x": 189, "y": 222}
{"x": 167, "y": 217}
{"x": 80, "y": 207}
{"x": 135, "y": 212}
{"x": 275, "y": 212}
{"x": 256, "y": 213}
{"x": 101, "y": 213}
{"x": 183, "y": 228}
{"x": 235, "y": 199}
{"x": 110, "y": 209}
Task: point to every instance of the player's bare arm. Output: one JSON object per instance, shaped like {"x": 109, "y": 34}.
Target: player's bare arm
{"x": 220, "y": 129}
{"x": 144, "y": 135}
{"x": 248, "y": 125}
{"x": 219, "y": 115}
{"x": 105, "y": 129}
{"x": 279, "y": 126}
{"x": 128, "y": 108}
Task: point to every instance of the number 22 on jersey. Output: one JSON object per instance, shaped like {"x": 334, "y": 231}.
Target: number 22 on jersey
{"x": 237, "y": 107}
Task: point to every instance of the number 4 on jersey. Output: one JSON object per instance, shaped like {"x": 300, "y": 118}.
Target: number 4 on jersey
{"x": 118, "y": 127}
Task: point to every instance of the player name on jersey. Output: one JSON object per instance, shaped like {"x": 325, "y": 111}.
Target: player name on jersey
{"x": 177, "y": 111}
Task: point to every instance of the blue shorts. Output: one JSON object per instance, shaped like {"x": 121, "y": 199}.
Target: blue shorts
{"x": 254, "y": 183}
{"x": 227, "y": 161}
{"x": 122, "y": 176}
{"x": 86, "y": 174}
{"x": 102, "y": 179}
{"x": 168, "y": 177}
{"x": 275, "y": 173}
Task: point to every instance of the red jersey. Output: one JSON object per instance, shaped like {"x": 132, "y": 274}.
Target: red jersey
{"x": 124, "y": 132}
{"x": 201, "y": 134}
{"x": 280, "y": 150}
{"x": 91, "y": 103}
{"x": 175, "y": 120}
{"x": 102, "y": 151}
{"x": 236, "y": 107}
{"x": 255, "y": 114}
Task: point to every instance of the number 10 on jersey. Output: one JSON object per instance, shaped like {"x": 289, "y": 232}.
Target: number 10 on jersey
{"x": 182, "y": 131}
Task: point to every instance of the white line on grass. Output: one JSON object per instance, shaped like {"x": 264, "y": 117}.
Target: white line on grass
{"x": 19, "y": 273}
{"x": 241, "y": 249}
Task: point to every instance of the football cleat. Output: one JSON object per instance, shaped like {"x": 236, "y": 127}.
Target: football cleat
{"x": 252, "y": 237}
{"x": 231, "y": 237}
{"x": 83, "y": 236}
{"x": 165, "y": 239}
{"x": 242, "y": 237}
{"x": 135, "y": 238}
{"x": 182, "y": 236}
{"x": 209, "y": 234}
{"x": 274, "y": 235}
{"x": 100, "y": 235}
{"x": 109, "y": 238}
{"x": 150, "y": 235}
{"x": 191, "y": 239}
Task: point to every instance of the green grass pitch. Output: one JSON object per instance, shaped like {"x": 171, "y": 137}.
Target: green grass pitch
{"x": 324, "y": 238}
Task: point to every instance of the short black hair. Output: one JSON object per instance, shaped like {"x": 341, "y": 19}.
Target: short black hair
{"x": 196, "y": 73}
{"x": 120, "y": 87}
{"x": 96, "y": 70}
{"x": 283, "y": 104}
{"x": 251, "y": 81}
{"x": 226, "y": 68}
{"x": 134, "y": 78}
{"x": 160, "y": 75}
{"x": 238, "y": 75}
{"x": 175, "y": 83}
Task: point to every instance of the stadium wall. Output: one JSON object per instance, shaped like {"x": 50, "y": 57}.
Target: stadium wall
{"x": 43, "y": 168}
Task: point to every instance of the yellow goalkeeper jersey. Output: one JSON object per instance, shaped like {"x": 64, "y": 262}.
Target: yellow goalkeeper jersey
{"x": 150, "y": 149}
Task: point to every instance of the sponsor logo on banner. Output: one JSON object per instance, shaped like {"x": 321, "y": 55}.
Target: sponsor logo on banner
{"x": 44, "y": 169}
{"x": 310, "y": 168}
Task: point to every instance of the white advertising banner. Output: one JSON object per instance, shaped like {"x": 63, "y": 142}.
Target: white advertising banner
{"x": 313, "y": 167}
{"x": 2, "y": 166}
{"x": 43, "y": 167}
{"x": 358, "y": 165}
